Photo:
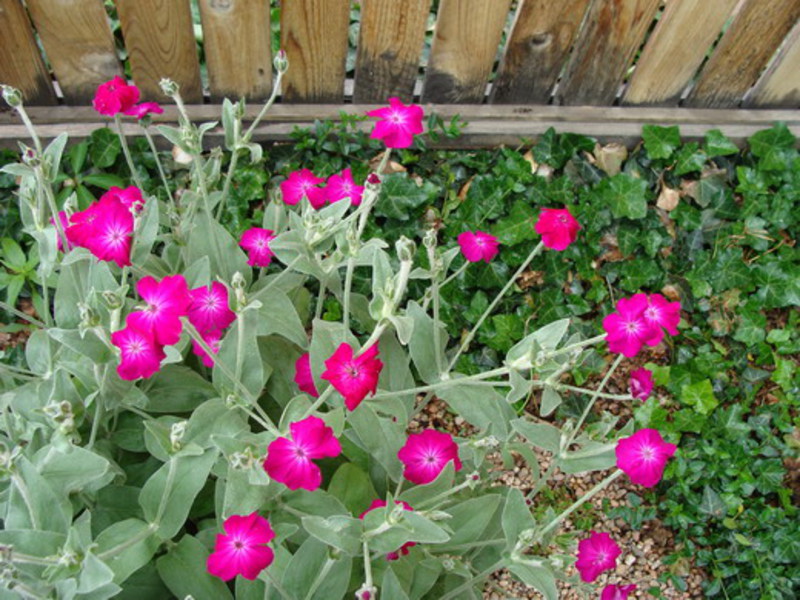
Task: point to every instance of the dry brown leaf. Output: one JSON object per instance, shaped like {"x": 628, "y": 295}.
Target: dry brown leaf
{"x": 529, "y": 157}
{"x": 181, "y": 157}
{"x": 668, "y": 198}
{"x": 462, "y": 193}
{"x": 610, "y": 157}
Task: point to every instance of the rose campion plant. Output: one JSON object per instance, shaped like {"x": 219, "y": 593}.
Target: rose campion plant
{"x": 186, "y": 424}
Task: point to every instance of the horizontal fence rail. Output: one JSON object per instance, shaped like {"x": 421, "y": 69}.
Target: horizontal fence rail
{"x": 570, "y": 54}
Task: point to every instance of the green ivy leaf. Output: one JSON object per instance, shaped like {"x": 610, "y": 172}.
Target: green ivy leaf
{"x": 401, "y": 196}
{"x": 104, "y": 147}
{"x": 689, "y": 159}
{"x": 701, "y": 396}
{"x": 716, "y": 144}
{"x": 773, "y": 146}
{"x": 661, "y": 142}
{"x": 518, "y": 226}
{"x": 624, "y": 195}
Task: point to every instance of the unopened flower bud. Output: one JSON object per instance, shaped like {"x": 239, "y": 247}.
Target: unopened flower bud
{"x": 373, "y": 180}
{"x": 281, "y": 63}
{"x": 405, "y": 249}
{"x": 176, "y": 433}
{"x": 12, "y": 96}
{"x": 429, "y": 239}
{"x": 242, "y": 461}
{"x": 30, "y": 157}
{"x": 112, "y": 299}
{"x": 168, "y": 86}
{"x": 448, "y": 564}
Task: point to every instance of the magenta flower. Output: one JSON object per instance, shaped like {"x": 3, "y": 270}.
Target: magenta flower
{"x": 167, "y": 301}
{"x": 627, "y": 329}
{"x": 661, "y": 313}
{"x": 115, "y": 96}
{"x": 209, "y": 308}
{"x": 477, "y": 246}
{"x": 112, "y": 233}
{"x": 353, "y": 377}
{"x": 141, "y": 354}
{"x": 131, "y": 197}
{"x": 341, "y": 186}
{"x": 213, "y": 339}
{"x": 256, "y": 241}
{"x": 616, "y": 592}
{"x": 397, "y": 124}
{"x": 303, "y": 377}
{"x": 243, "y": 549}
{"x": 144, "y": 109}
{"x": 643, "y": 456}
{"x": 403, "y": 550}
{"x": 425, "y": 454}
{"x": 290, "y": 460}
{"x": 557, "y": 227}
{"x": 303, "y": 183}
{"x": 641, "y": 384}
{"x": 596, "y": 554}
{"x": 82, "y": 225}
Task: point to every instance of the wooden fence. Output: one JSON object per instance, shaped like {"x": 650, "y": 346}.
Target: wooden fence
{"x": 699, "y": 63}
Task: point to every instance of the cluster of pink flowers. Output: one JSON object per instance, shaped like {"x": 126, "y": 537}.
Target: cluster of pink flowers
{"x": 640, "y": 320}
{"x": 596, "y": 554}
{"x": 159, "y": 324}
{"x": 304, "y": 184}
{"x": 118, "y": 97}
{"x": 105, "y": 228}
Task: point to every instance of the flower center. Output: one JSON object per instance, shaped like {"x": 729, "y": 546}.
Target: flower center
{"x": 135, "y": 347}
{"x": 431, "y": 459}
{"x": 239, "y": 544}
{"x": 352, "y": 370}
{"x": 600, "y": 558}
{"x": 632, "y": 327}
{"x": 397, "y": 118}
{"x": 300, "y": 453}
{"x": 562, "y": 219}
{"x": 648, "y": 453}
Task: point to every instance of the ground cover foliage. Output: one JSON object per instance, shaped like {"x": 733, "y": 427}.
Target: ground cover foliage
{"x": 704, "y": 222}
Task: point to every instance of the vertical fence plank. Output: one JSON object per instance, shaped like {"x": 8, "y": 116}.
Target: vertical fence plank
{"x": 613, "y": 32}
{"x": 465, "y": 43}
{"x": 79, "y": 43}
{"x": 159, "y": 37}
{"x": 537, "y": 49}
{"x": 779, "y": 86}
{"x": 20, "y": 62}
{"x": 743, "y": 52}
{"x": 675, "y": 50}
{"x": 236, "y": 36}
{"x": 314, "y": 36}
{"x": 389, "y": 49}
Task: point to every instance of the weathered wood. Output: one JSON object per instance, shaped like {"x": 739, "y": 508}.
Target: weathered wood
{"x": 743, "y": 52}
{"x": 314, "y": 36}
{"x": 465, "y": 43}
{"x": 675, "y": 50}
{"x": 159, "y": 37}
{"x": 613, "y": 31}
{"x": 236, "y": 36}
{"x": 779, "y": 86}
{"x": 538, "y": 47}
{"x": 79, "y": 44}
{"x": 389, "y": 48}
{"x": 487, "y": 125}
{"x": 21, "y": 65}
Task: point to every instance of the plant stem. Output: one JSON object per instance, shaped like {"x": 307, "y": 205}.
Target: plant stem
{"x": 162, "y": 504}
{"x": 491, "y": 307}
{"x": 22, "y": 315}
{"x": 592, "y": 400}
{"x": 580, "y": 390}
{"x": 278, "y": 277}
{"x": 443, "y": 495}
{"x": 320, "y": 300}
{"x": 455, "y": 274}
{"x": 127, "y": 152}
{"x": 367, "y": 566}
{"x": 437, "y": 340}
{"x": 29, "y": 126}
{"x": 348, "y": 283}
{"x": 471, "y": 380}
{"x": 274, "y": 583}
{"x": 161, "y": 172}
{"x": 142, "y": 535}
{"x": 470, "y": 582}
{"x": 320, "y": 578}
{"x": 576, "y": 345}
{"x": 270, "y": 101}
{"x": 95, "y": 422}
{"x": 586, "y": 497}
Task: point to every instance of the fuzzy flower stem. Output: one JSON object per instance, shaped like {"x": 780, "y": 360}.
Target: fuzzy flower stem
{"x": 576, "y": 346}
{"x": 465, "y": 344}
{"x": 592, "y": 400}
{"x": 18, "y": 313}
{"x": 454, "y": 275}
{"x": 367, "y": 565}
{"x": 580, "y": 390}
{"x": 434, "y": 501}
{"x": 437, "y": 340}
{"x": 23, "y": 114}
{"x": 44, "y": 185}
{"x": 270, "y": 101}
{"x": 348, "y": 283}
{"x": 161, "y": 172}
{"x": 278, "y": 277}
{"x": 276, "y": 584}
{"x": 129, "y": 543}
{"x": 17, "y": 372}
{"x": 323, "y": 573}
{"x": 470, "y": 380}
{"x": 575, "y": 505}
{"x": 455, "y": 593}
{"x": 127, "y": 151}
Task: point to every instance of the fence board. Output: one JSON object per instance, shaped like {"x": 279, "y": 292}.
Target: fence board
{"x": 20, "y": 62}
{"x": 779, "y": 86}
{"x": 613, "y": 31}
{"x": 160, "y": 41}
{"x": 675, "y": 50}
{"x": 314, "y": 36}
{"x": 389, "y": 48}
{"x": 743, "y": 52}
{"x": 538, "y": 46}
{"x": 236, "y": 36}
{"x": 79, "y": 43}
{"x": 465, "y": 43}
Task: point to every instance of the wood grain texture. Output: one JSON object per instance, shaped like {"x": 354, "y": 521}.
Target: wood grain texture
{"x": 465, "y": 43}
{"x": 779, "y": 86}
{"x": 743, "y": 52}
{"x": 539, "y": 44}
{"x": 160, "y": 41}
{"x": 675, "y": 50}
{"x": 314, "y": 36}
{"x": 488, "y": 126}
{"x": 605, "y": 48}
{"x": 78, "y": 41}
{"x": 389, "y": 48}
{"x": 236, "y": 36}
{"x": 21, "y": 65}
